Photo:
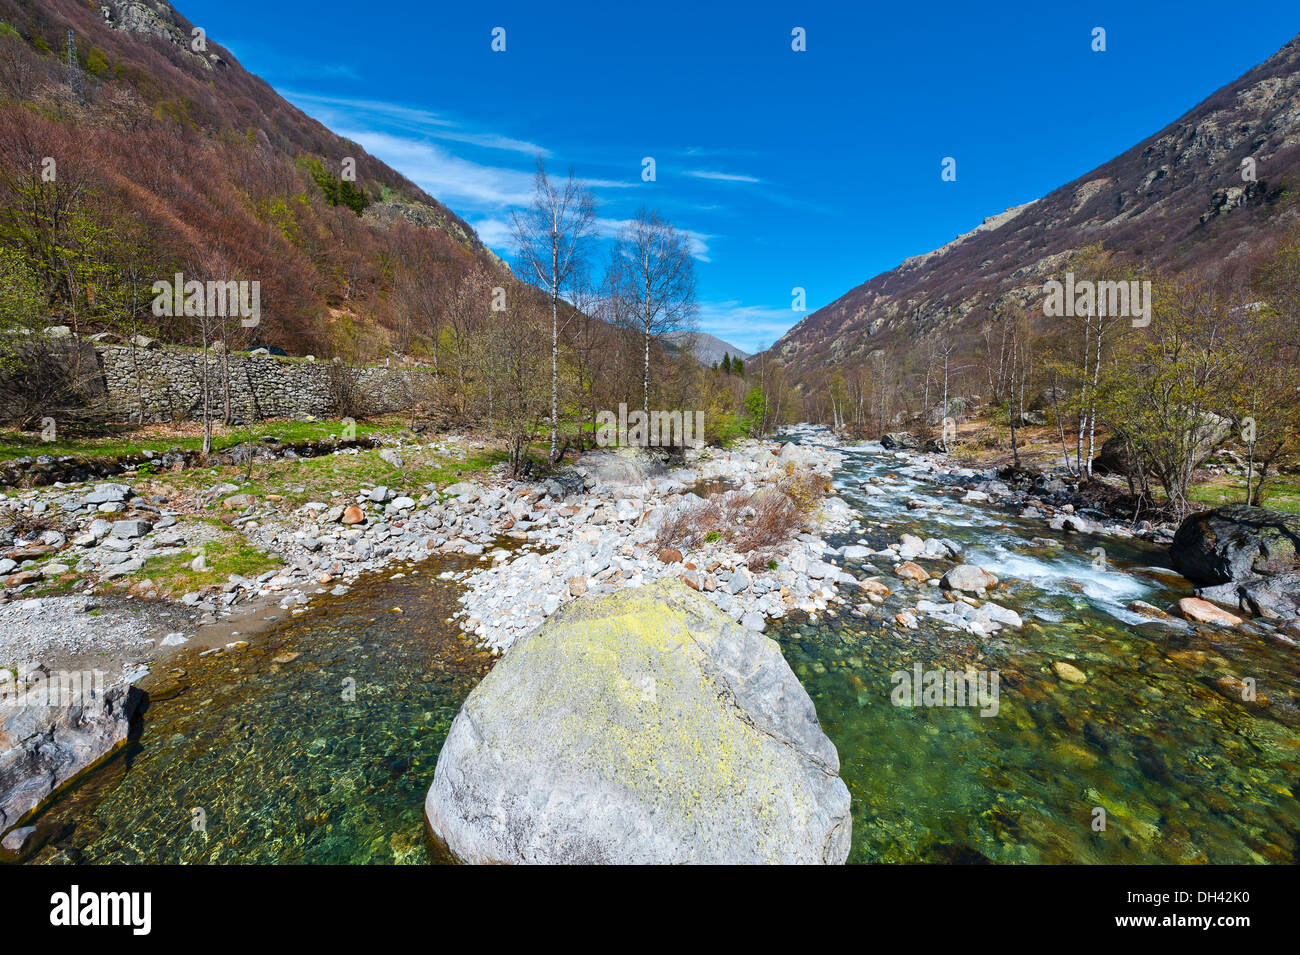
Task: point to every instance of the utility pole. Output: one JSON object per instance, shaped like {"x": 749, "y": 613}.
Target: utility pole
{"x": 74, "y": 69}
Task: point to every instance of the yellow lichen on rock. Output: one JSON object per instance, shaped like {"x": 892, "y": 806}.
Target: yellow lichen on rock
{"x": 640, "y": 726}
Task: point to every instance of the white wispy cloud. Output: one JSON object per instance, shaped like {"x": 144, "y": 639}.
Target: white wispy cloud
{"x": 410, "y": 119}
{"x": 752, "y": 327}
{"x": 698, "y": 242}
{"x": 497, "y": 234}
{"x": 721, "y": 176}
{"x": 448, "y": 177}
{"x": 419, "y": 143}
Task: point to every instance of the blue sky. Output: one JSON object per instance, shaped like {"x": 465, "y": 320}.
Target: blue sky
{"x": 816, "y": 169}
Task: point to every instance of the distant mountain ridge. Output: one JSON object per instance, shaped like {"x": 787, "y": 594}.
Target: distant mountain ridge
{"x": 1175, "y": 200}
{"x": 708, "y": 348}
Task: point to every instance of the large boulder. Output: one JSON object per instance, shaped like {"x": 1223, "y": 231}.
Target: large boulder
{"x": 1113, "y": 458}
{"x": 624, "y": 467}
{"x": 900, "y": 441}
{"x": 1236, "y": 543}
{"x": 53, "y": 731}
{"x": 1244, "y": 557}
{"x": 1275, "y": 596}
{"x": 640, "y": 727}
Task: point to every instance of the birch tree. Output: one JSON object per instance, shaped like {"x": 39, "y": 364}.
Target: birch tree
{"x": 551, "y": 237}
{"x": 654, "y": 274}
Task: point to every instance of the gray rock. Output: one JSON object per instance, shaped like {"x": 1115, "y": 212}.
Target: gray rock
{"x": 16, "y": 840}
{"x": 130, "y": 530}
{"x": 392, "y": 457}
{"x": 900, "y": 440}
{"x": 967, "y": 577}
{"x": 1274, "y": 596}
{"x": 623, "y": 468}
{"x": 43, "y": 746}
{"x": 1236, "y": 543}
{"x": 640, "y": 727}
{"x": 128, "y": 566}
{"x": 108, "y": 494}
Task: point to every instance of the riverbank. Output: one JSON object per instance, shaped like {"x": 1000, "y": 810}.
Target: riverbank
{"x": 119, "y": 578}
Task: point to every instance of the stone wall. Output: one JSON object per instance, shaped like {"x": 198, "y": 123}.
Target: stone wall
{"x": 168, "y": 384}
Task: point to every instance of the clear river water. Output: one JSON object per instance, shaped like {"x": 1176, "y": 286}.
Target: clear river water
{"x": 317, "y": 743}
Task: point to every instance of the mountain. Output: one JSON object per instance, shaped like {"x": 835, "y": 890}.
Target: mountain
{"x": 707, "y": 348}
{"x": 189, "y": 163}
{"x": 1176, "y": 200}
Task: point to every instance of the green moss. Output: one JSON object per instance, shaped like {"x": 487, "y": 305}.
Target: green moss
{"x": 1278, "y": 495}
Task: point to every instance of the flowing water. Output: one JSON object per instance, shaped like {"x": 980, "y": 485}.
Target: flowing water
{"x": 1182, "y": 773}
{"x": 326, "y": 757}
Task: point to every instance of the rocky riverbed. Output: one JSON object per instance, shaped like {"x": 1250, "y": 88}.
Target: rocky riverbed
{"x": 905, "y": 555}
{"x": 533, "y": 546}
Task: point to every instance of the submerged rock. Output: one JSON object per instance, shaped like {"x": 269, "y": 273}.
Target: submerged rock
{"x": 640, "y": 727}
{"x": 1069, "y": 672}
{"x": 1202, "y": 611}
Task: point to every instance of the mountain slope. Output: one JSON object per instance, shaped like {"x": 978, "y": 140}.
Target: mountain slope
{"x": 707, "y": 348}
{"x": 193, "y": 164}
{"x": 1175, "y": 200}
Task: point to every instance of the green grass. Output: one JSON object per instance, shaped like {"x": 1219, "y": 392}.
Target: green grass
{"x": 17, "y": 444}
{"x": 173, "y": 574}
{"x": 1278, "y": 495}
{"x": 312, "y": 479}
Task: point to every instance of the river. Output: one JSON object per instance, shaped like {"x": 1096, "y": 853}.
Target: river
{"x": 317, "y": 743}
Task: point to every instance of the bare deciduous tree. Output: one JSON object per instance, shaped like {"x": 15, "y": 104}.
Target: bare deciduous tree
{"x": 551, "y": 236}
{"x": 654, "y": 274}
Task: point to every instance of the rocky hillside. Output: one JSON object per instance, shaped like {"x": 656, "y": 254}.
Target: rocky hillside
{"x": 165, "y": 142}
{"x": 1175, "y": 200}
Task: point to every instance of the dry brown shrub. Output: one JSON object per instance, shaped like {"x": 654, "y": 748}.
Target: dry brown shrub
{"x": 751, "y": 524}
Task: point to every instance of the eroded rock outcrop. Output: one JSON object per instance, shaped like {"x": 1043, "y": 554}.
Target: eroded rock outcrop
{"x": 640, "y": 727}
{"x": 52, "y": 733}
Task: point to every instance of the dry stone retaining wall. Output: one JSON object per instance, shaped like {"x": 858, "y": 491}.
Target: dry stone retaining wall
{"x": 168, "y": 384}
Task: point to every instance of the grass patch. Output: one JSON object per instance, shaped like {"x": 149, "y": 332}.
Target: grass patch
{"x": 312, "y": 479}
{"x": 173, "y": 574}
{"x": 1278, "y": 495}
{"x": 187, "y": 436}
